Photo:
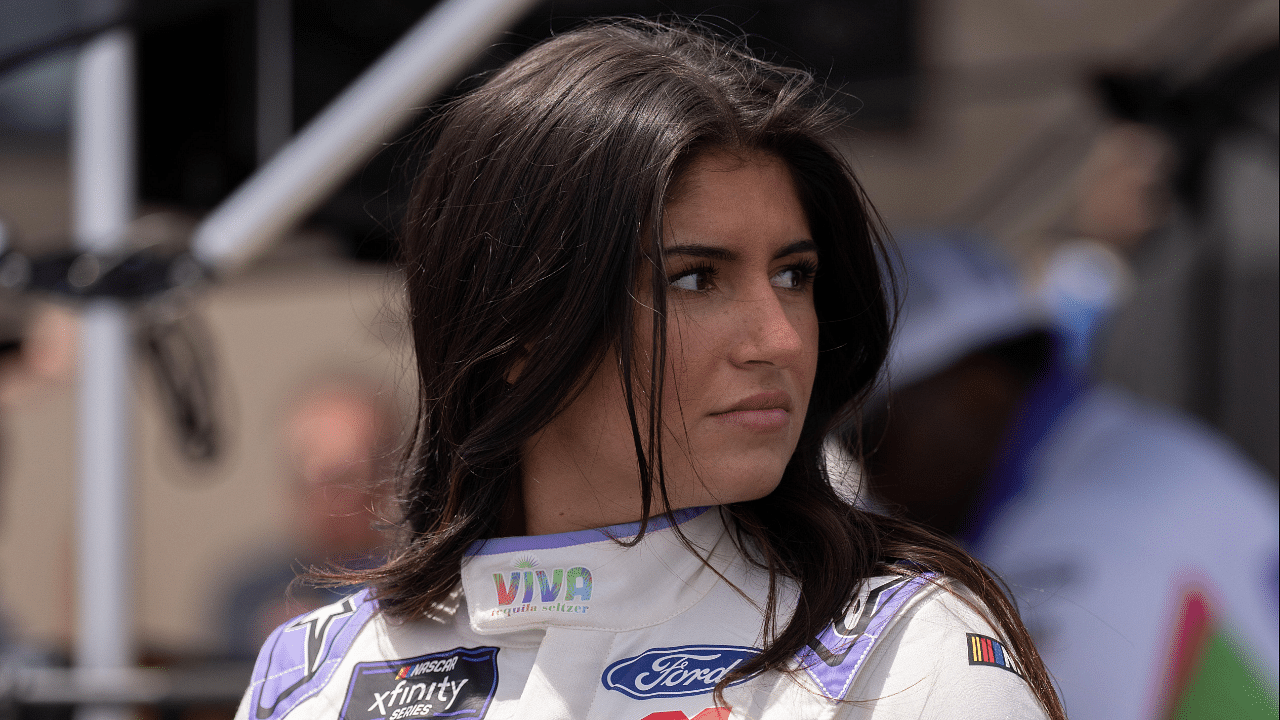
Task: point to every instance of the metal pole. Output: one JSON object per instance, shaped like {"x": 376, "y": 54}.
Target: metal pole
{"x": 352, "y": 128}
{"x": 103, "y": 168}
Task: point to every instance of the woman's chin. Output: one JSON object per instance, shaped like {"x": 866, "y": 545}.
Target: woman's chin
{"x": 737, "y": 484}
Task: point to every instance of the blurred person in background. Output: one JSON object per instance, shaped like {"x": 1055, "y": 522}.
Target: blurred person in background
{"x": 16, "y": 651}
{"x": 1168, "y": 279}
{"x": 339, "y": 440}
{"x": 1141, "y": 546}
{"x": 1124, "y": 197}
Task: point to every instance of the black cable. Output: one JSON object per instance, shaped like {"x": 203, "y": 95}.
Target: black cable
{"x": 181, "y": 356}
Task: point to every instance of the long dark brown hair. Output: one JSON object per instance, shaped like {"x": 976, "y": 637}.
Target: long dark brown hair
{"x": 540, "y": 201}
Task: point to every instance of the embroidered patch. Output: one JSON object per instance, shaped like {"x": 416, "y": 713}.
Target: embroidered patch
{"x": 549, "y": 590}
{"x": 675, "y": 671}
{"x": 988, "y": 651}
{"x": 458, "y": 683}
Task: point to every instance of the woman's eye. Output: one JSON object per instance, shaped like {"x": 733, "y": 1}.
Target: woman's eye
{"x": 692, "y": 280}
{"x": 787, "y": 279}
{"x": 793, "y": 278}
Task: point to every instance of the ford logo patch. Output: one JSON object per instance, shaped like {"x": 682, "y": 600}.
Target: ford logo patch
{"x": 675, "y": 671}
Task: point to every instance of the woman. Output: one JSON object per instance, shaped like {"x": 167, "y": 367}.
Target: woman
{"x": 642, "y": 290}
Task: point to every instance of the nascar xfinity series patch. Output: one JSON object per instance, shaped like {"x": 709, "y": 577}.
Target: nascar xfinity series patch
{"x": 457, "y": 684}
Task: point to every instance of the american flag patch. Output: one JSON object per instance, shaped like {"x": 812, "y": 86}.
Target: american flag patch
{"x": 988, "y": 651}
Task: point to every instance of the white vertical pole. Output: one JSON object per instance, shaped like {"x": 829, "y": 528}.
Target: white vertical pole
{"x": 103, "y": 197}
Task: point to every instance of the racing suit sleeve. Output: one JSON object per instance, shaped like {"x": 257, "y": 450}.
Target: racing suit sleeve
{"x": 940, "y": 660}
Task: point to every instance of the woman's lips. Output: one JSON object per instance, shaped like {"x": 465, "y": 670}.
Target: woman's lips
{"x": 764, "y": 412}
{"x": 759, "y": 420}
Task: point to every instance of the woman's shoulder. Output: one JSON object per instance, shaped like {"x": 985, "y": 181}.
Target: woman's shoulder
{"x": 914, "y": 646}
{"x": 309, "y": 663}
{"x": 303, "y": 655}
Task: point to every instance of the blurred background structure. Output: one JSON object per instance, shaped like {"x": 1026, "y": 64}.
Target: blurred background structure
{"x": 1125, "y": 154}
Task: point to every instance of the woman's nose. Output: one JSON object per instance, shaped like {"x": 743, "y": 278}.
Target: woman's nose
{"x": 767, "y": 331}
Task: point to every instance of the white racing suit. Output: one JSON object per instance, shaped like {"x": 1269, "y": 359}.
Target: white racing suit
{"x": 575, "y": 626}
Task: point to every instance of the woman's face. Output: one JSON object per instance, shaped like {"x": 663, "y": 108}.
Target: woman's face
{"x": 742, "y": 350}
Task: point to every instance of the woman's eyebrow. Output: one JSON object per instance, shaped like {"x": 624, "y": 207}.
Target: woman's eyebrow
{"x": 712, "y": 252}
{"x": 796, "y": 248}
{"x": 709, "y": 252}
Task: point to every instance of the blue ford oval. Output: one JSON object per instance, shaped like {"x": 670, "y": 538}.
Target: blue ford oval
{"x": 675, "y": 671}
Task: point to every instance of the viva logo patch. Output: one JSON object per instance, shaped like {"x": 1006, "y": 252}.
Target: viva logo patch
{"x": 542, "y": 589}
{"x": 675, "y": 671}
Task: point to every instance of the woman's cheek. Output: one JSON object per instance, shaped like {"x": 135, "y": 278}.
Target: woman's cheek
{"x": 690, "y": 350}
